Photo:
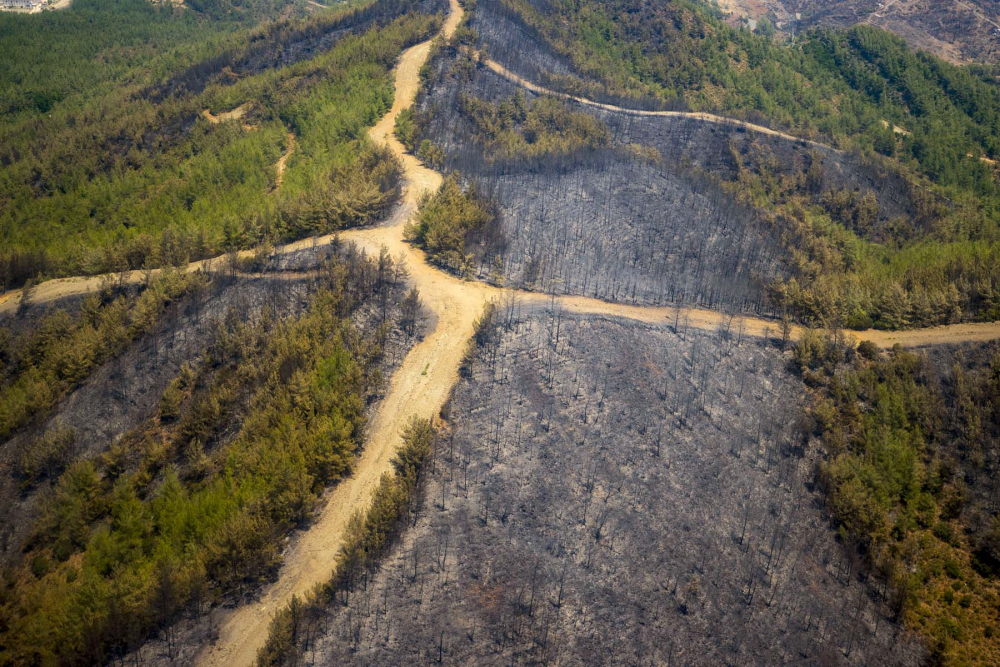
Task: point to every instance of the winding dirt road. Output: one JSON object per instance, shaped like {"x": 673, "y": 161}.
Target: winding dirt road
{"x": 497, "y": 68}
{"x": 419, "y": 387}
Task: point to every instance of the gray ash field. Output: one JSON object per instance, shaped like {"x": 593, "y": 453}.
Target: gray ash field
{"x": 614, "y": 223}
{"x": 619, "y": 234}
{"x": 616, "y": 494}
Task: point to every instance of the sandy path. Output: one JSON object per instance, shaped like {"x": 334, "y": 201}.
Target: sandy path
{"x": 711, "y": 320}
{"x": 431, "y": 282}
{"x": 234, "y": 114}
{"x": 684, "y": 318}
{"x": 419, "y": 387}
{"x": 283, "y": 160}
{"x": 696, "y": 115}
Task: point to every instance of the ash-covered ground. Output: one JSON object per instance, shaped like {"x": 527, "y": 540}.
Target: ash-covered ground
{"x": 649, "y": 219}
{"x": 611, "y": 493}
{"x": 125, "y": 391}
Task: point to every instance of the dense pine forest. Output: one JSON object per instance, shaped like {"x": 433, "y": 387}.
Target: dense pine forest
{"x": 127, "y": 172}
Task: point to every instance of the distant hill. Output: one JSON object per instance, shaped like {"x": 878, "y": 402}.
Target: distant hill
{"x": 956, "y": 30}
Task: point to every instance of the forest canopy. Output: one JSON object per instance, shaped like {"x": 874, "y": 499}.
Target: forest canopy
{"x": 129, "y": 177}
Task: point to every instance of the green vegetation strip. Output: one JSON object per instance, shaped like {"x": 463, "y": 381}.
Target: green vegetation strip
{"x": 850, "y": 269}
{"x": 192, "y": 504}
{"x": 369, "y": 536}
{"x": 905, "y": 456}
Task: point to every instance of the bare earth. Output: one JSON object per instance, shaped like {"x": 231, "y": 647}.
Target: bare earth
{"x": 283, "y": 160}
{"x": 236, "y": 113}
{"x": 960, "y": 31}
{"x": 427, "y": 375}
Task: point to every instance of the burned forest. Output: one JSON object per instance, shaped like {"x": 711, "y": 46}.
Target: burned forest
{"x": 650, "y": 503}
{"x": 498, "y": 332}
{"x": 657, "y": 210}
{"x": 167, "y": 416}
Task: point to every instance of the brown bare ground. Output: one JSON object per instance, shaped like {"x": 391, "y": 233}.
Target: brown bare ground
{"x": 959, "y": 31}
{"x": 233, "y": 114}
{"x": 283, "y": 160}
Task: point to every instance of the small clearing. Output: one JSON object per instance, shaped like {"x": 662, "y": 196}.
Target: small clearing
{"x": 234, "y": 114}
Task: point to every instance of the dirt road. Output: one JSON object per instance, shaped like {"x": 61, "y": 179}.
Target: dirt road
{"x": 711, "y": 320}
{"x": 233, "y": 114}
{"x": 419, "y": 387}
{"x": 696, "y": 115}
{"x": 283, "y": 160}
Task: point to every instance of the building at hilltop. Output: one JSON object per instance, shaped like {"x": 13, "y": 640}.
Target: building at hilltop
{"x": 29, "y": 5}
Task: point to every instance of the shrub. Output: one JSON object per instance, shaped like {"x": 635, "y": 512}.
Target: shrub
{"x": 445, "y": 221}
{"x": 868, "y": 350}
{"x": 46, "y": 456}
{"x": 944, "y": 532}
{"x": 405, "y": 128}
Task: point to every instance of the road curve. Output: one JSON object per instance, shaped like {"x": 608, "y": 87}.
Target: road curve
{"x": 499, "y": 69}
{"x": 419, "y": 387}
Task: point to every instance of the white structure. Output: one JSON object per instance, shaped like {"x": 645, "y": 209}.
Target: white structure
{"x": 26, "y": 5}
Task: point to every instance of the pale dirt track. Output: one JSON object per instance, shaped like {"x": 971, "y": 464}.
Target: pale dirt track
{"x": 422, "y": 383}
{"x": 497, "y": 68}
{"x": 234, "y": 114}
{"x": 283, "y": 160}
{"x": 711, "y": 320}
{"x": 419, "y": 387}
